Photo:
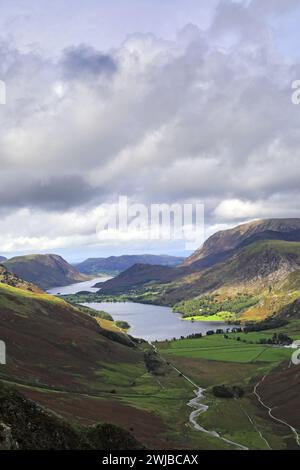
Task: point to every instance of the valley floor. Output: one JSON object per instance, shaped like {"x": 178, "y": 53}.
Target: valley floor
{"x": 153, "y": 405}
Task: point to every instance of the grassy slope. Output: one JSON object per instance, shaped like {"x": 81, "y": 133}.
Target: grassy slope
{"x": 54, "y": 348}
{"x": 59, "y": 357}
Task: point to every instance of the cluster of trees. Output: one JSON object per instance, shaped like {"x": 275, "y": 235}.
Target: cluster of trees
{"x": 153, "y": 363}
{"x": 122, "y": 324}
{"x": 219, "y": 331}
{"x": 223, "y": 391}
{"x": 280, "y": 339}
{"x": 268, "y": 324}
{"x": 211, "y": 305}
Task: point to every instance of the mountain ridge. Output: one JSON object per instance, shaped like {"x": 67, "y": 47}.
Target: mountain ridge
{"x": 255, "y": 264}
{"x": 123, "y": 262}
{"x": 45, "y": 271}
{"x": 229, "y": 239}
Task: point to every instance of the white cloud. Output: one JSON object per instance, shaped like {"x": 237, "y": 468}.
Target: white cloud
{"x": 199, "y": 118}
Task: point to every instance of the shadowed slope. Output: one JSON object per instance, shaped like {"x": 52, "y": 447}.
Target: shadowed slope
{"x": 44, "y": 270}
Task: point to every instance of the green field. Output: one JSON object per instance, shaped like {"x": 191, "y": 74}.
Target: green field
{"x": 217, "y": 317}
{"x": 215, "y": 360}
{"x": 217, "y": 348}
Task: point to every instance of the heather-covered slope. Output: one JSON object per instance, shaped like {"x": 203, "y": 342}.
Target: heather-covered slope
{"x": 46, "y": 271}
{"x": 61, "y": 358}
{"x": 49, "y": 342}
{"x": 49, "y": 432}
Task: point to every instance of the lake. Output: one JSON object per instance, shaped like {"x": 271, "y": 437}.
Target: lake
{"x": 150, "y": 322}
{"x": 153, "y": 322}
{"x": 78, "y": 286}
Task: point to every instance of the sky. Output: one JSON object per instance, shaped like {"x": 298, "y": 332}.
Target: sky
{"x": 160, "y": 101}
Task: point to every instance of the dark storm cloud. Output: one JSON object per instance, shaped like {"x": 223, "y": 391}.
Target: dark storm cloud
{"x": 84, "y": 60}
{"x": 53, "y": 193}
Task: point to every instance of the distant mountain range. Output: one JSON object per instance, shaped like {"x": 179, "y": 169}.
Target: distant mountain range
{"x": 253, "y": 257}
{"x": 50, "y": 270}
{"x": 2, "y": 258}
{"x": 117, "y": 264}
{"x": 45, "y": 271}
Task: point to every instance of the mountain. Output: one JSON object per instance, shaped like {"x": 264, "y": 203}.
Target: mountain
{"x": 115, "y": 264}
{"x": 2, "y": 258}
{"x": 256, "y": 257}
{"x": 11, "y": 279}
{"x": 137, "y": 276}
{"x": 219, "y": 248}
{"x": 228, "y": 240}
{"x": 45, "y": 271}
{"x": 253, "y": 268}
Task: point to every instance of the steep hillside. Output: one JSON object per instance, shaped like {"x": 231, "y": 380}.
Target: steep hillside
{"x": 46, "y": 271}
{"x": 60, "y": 358}
{"x": 115, "y": 264}
{"x": 292, "y": 311}
{"x": 49, "y": 432}
{"x": 291, "y": 282}
{"x": 2, "y": 258}
{"x": 220, "y": 249}
{"x": 52, "y": 343}
{"x": 11, "y": 279}
{"x": 227, "y": 240}
{"x": 267, "y": 270}
{"x": 254, "y": 268}
{"x": 280, "y": 391}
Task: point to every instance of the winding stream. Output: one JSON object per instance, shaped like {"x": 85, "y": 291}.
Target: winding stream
{"x": 199, "y": 407}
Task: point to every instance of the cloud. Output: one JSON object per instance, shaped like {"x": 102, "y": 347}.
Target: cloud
{"x": 207, "y": 116}
{"x": 81, "y": 61}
